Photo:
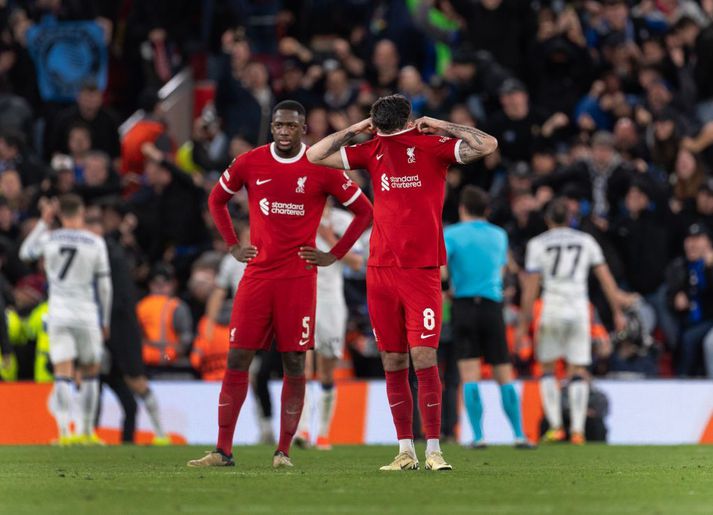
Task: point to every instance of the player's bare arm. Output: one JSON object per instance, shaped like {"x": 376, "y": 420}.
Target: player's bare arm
{"x": 611, "y": 290}
{"x": 476, "y": 143}
{"x": 326, "y": 151}
{"x": 530, "y": 291}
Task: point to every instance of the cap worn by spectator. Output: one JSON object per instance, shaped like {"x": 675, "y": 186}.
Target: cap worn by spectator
{"x": 695, "y": 230}
{"x": 706, "y": 187}
{"x": 62, "y": 162}
{"x": 520, "y": 170}
{"x": 512, "y": 85}
{"x": 163, "y": 272}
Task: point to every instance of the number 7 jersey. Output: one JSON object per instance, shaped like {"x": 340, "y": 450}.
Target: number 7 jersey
{"x": 563, "y": 257}
{"x": 74, "y": 260}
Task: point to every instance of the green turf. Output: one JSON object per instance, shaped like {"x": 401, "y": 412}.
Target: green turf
{"x": 555, "y": 480}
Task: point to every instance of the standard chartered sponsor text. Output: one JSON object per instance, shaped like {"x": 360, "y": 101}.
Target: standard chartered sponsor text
{"x": 287, "y": 208}
{"x": 407, "y": 181}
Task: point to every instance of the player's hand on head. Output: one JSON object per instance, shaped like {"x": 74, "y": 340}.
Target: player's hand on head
{"x": 364, "y": 126}
{"x": 316, "y": 257}
{"x": 244, "y": 253}
{"x": 428, "y": 125}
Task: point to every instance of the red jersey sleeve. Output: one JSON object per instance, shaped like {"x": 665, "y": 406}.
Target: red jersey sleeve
{"x": 228, "y": 185}
{"x": 356, "y": 157}
{"x": 445, "y": 149}
{"x": 232, "y": 179}
{"x": 339, "y": 185}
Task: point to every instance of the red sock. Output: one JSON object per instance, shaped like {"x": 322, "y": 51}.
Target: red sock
{"x": 293, "y": 398}
{"x": 429, "y": 401}
{"x": 401, "y": 402}
{"x": 232, "y": 396}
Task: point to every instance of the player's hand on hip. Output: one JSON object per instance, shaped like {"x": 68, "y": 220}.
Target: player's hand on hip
{"x": 105, "y": 333}
{"x": 244, "y": 253}
{"x": 316, "y": 257}
{"x": 428, "y": 125}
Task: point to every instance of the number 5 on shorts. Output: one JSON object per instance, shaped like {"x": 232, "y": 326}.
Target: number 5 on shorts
{"x": 429, "y": 319}
{"x": 305, "y": 326}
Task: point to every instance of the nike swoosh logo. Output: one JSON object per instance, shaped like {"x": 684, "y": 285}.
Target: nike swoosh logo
{"x": 303, "y": 342}
{"x": 261, "y": 182}
{"x": 379, "y": 156}
{"x": 291, "y": 412}
{"x": 394, "y": 405}
{"x": 224, "y": 404}
{"x": 424, "y": 336}
{"x": 432, "y": 405}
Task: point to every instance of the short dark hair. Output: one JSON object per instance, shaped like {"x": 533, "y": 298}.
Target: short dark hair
{"x": 70, "y": 204}
{"x": 290, "y": 105}
{"x": 474, "y": 200}
{"x": 557, "y": 212}
{"x": 13, "y": 138}
{"x": 391, "y": 113}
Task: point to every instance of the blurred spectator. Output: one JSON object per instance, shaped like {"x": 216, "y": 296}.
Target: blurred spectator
{"x": 690, "y": 293}
{"x": 99, "y": 180}
{"x": 165, "y": 321}
{"x": 101, "y": 123}
{"x": 207, "y": 150}
{"x": 15, "y": 155}
{"x": 170, "y": 213}
{"x": 518, "y": 126}
{"x": 151, "y": 128}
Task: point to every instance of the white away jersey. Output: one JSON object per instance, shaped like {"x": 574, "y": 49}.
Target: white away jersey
{"x": 330, "y": 279}
{"x": 563, "y": 257}
{"x": 75, "y": 261}
{"x": 229, "y": 275}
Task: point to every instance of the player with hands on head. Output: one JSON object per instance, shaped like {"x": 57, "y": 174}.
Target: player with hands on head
{"x": 408, "y": 163}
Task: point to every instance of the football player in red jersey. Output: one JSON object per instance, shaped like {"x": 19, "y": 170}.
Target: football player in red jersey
{"x": 277, "y": 295}
{"x": 408, "y": 164}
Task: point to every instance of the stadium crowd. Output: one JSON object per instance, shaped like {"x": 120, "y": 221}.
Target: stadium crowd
{"x": 608, "y": 104}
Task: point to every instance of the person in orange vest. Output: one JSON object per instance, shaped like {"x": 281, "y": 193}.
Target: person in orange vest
{"x": 209, "y": 355}
{"x": 165, "y": 320}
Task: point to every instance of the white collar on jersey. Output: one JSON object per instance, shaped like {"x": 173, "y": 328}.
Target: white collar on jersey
{"x": 395, "y": 133}
{"x": 287, "y": 161}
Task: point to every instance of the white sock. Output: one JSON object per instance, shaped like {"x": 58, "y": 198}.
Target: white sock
{"x": 303, "y": 426}
{"x": 406, "y": 445}
{"x": 328, "y": 402}
{"x": 578, "y": 391}
{"x": 550, "y": 391}
{"x": 62, "y": 393}
{"x": 433, "y": 445}
{"x": 88, "y": 403}
{"x": 151, "y": 405}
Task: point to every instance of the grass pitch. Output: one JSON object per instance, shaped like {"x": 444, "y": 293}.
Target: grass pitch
{"x": 559, "y": 479}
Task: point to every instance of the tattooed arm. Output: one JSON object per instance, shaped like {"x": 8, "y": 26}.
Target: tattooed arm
{"x": 476, "y": 143}
{"x": 326, "y": 151}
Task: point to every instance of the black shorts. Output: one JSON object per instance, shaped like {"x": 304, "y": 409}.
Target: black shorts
{"x": 479, "y": 330}
{"x": 125, "y": 345}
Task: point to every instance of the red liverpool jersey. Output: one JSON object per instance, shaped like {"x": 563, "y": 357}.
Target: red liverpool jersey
{"x": 408, "y": 173}
{"x": 286, "y": 199}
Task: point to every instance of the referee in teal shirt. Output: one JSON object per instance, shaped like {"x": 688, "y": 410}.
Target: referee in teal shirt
{"x": 477, "y": 254}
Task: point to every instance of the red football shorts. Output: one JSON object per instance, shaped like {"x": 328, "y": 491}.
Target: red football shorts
{"x": 404, "y": 307}
{"x": 282, "y": 309}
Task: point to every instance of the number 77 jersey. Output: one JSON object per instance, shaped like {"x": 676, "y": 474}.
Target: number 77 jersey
{"x": 563, "y": 257}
